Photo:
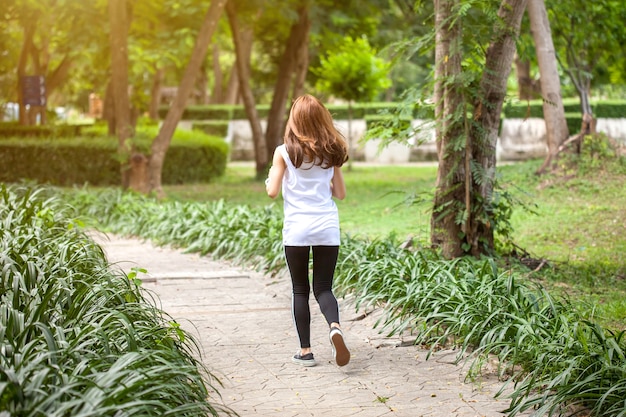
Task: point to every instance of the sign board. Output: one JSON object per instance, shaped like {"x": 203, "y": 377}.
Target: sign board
{"x": 34, "y": 90}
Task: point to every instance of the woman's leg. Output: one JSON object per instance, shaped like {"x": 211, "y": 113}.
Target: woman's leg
{"x": 324, "y": 262}
{"x": 298, "y": 262}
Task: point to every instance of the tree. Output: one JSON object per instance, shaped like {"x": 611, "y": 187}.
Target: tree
{"x": 462, "y": 220}
{"x": 589, "y": 39}
{"x": 353, "y": 73}
{"x": 242, "y": 72}
{"x": 296, "y": 46}
{"x": 53, "y": 35}
{"x": 553, "y": 111}
{"x": 161, "y": 142}
{"x": 118, "y": 18}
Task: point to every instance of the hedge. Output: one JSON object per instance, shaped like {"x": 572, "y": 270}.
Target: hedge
{"x": 13, "y": 129}
{"x": 513, "y": 109}
{"x": 192, "y": 157}
{"x": 534, "y": 108}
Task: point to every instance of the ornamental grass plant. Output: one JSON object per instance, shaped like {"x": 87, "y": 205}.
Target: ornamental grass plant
{"x": 553, "y": 354}
{"x": 76, "y": 338}
{"x": 555, "y": 359}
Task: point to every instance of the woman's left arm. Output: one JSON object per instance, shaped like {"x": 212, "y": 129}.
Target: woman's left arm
{"x": 338, "y": 185}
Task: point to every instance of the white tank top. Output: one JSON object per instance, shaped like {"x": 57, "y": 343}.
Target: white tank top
{"x": 310, "y": 213}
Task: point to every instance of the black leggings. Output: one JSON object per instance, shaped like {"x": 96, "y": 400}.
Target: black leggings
{"x": 324, "y": 262}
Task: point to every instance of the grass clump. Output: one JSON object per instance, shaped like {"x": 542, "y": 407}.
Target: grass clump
{"x": 76, "y": 338}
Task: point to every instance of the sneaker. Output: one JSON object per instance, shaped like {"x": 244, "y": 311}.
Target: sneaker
{"x": 304, "y": 360}
{"x": 340, "y": 351}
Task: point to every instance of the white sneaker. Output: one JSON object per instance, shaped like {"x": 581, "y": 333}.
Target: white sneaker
{"x": 340, "y": 351}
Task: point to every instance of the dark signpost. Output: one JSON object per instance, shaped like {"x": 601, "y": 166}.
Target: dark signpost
{"x": 34, "y": 90}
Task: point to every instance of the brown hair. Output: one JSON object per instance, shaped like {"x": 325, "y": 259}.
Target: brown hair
{"x": 311, "y": 135}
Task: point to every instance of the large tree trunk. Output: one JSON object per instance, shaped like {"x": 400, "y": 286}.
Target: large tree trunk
{"x": 260, "y": 151}
{"x": 276, "y": 117}
{"x": 449, "y": 188}
{"x": 461, "y": 203}
{"x": 162, "y": 141}
{"x": 553, "y": 111}
{"x": 484, "y": 135}
{"x": 119, "y": 79}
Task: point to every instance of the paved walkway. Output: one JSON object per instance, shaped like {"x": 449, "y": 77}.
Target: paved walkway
{"x": 243, "y": 321}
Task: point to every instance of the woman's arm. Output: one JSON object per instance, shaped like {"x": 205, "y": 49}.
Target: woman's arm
{"x": 274, "y": 179}
{"x": 337, "y": 184}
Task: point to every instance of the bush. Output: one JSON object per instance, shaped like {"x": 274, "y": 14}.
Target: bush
{"x": 212, "y": 127}
{"x": 78, "y": 339}
{"x": 534, "y": 108}
{"x": 16, "y": 130}
{"x": 191, "y": 157}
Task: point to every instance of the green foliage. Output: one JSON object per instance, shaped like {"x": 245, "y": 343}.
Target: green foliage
{"x": 353, "y": 72}
{"x": 212, "y": 127}
{"x": 17, "y": 130}
{"x": 77, "y": 338}
{"x": 469, "y": 304}
{"x": 534, "y": 108}
{"x": 92, "y": 158}
{"x": 597, "y": 154}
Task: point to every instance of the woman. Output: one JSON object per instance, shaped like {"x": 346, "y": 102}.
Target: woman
{"x": 308, "y": 169}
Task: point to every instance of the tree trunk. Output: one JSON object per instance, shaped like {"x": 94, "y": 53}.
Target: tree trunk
{"x": 484, "y": 135}
{"x": 155, "y": 94}
{"x": 276, "y": 117}
{"x": 461, "y": 214}
{"x": 108, "y": 109}
{"x": 217, "y": 95}
{"x": 449, "y": 189}
{"x": 553, "y": 111}
{"x": 260, "y": 151}
{"x": 302, "y": 67}
{"x": 203, "y": 82}
{"x": 232, "y": 89}
{"x": 119, "y": 79}
{"x": 162, "y": 141}
{"x": 528, "y": 88}
{"x": 27, "y": 46}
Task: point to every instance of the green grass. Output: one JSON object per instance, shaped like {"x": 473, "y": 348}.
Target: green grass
{"x": 378, "y": 200}
{"x": 578, "y": 225}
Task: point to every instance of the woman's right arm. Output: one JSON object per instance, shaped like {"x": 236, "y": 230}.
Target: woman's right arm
{"x": 274, "y": 179}
{"x": 338, "y": 185}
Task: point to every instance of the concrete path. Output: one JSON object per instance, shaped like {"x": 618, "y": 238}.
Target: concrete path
{"x": 243, "y": 321}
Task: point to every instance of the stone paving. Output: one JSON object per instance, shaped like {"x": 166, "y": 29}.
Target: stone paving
{"x": 244, "y": 324}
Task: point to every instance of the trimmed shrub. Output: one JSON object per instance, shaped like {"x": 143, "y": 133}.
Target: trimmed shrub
{"x": 212, "y": 127}
{"x": 17, "y": 130}
{"x": 191, "y": 157}
{"x": 534, "y": 108}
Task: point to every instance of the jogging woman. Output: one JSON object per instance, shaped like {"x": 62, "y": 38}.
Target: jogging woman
{"x": 307, "y": 167}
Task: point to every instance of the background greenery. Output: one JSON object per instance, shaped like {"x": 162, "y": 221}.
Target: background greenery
{"x": 576, "y": 223}
{"x": 550, "y": 319}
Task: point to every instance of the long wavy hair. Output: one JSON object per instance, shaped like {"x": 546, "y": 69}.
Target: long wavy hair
{"x": 311, "y": 135}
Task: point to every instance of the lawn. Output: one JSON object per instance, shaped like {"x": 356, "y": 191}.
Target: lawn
{"x": 577, "y": 224}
